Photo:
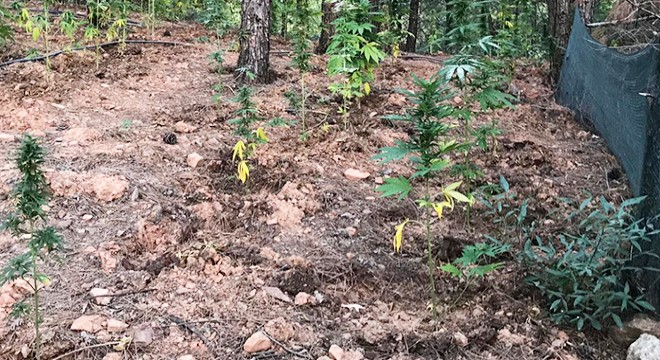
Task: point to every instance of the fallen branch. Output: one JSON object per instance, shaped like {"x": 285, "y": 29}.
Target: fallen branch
{"x": 124, "y": 293}
{"x": 112, "y": 343}
{"x": 186, "y": 326}
{"x": 91, "y": 47}
{"x": 300, "y": 353}
{"x": 620, "y": 21}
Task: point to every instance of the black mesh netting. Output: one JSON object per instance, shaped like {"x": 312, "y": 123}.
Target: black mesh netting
{"x": 616, "y": 93}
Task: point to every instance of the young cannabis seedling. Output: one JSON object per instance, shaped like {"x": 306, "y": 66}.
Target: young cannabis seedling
{"x": 28, "y": 220}
{"x": 218, "y": 57}
{"x": 470, "y": 266}
{"x": 301, "y": 56}
{"x": 427, "y": 148}
{"x": 246, "y": 116}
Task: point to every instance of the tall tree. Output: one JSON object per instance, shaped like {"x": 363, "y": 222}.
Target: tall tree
{"x": 327, "y": 28}
{"x": 254, "y": 39}
{"x": 560, "y": 20}
{"x": 413, "y": 26}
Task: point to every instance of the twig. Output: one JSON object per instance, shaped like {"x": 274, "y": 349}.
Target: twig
{"x": 194, "y": 330}
{"x": 124, "y": 293}
{"x": 620, "y": 21}
{"x": 90, "y": 47}
{"x": 87, "y": 348}
{"x": 301, "y": 353}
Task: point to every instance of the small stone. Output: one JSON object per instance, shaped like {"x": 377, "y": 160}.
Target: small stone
{"x": 277, "y": 294}
{"x": 182, "y": 127}
{"x": 88, "y": 323}
{"x": 87, "y": 217}
{"x": 352, "y": 355}
{"x": 646, "y": 347}
{"x": 354, "y": 174}
{"x": 304, "y": 298}
{"x": 4, "y": 137}
{"x": 336, "y": 352}
{"x": 280, "y": 329}
{"x": 351, "y": 231}
{"x": 112, "y": 356}
{"x": 186, "y": 357}
{"x": 257, "y": 342}
{"x": 458, "y": 100}
{"x": 101, "y": 296}
{"x": 115, "y": 326}
{"x": 143, "y": 335}
{"x": 108, "y": 188}
{"x": 64, "y": 224}
{"x": 378, "y": 180}
{"x": 460, "y": 340}
{"x": 505, "y": 336}
{"x": 194, "y": 160}
{"x": 135, "y": 195}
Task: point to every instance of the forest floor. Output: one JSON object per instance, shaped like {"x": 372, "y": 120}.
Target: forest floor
{"x": 197, "y": 263}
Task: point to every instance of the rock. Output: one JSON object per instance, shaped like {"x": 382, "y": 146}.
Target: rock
{"x": 647, "y": 347}
{"x": 505, "y": 336}
{"x": 351, "y": 231}
{"x": 336, "y": 352}
{"x": 257, "y": 342}
{"x": 280, "y": 329}
{"x": 632, "y": 329}
{"x": 304, "y": 298}
{"x": 354, "y": 174}
{"x": 87, "y": 217}
{"x": 352, "y": 355}
{"x": 460, "y": 340}
{"x": 194, "y": 160}
{"x": 108, "y": 188}
{"x": 143, "y": 335}
{"x": 100, "y": 296}
{"x": 186, "y": 357}
{"x": 457, "y": 100}
{"x": 112, "y": 356}
{"x": 182, "y": 127}
{"x": 88, "y": 323}
{"x": 379, "y": 180}
{"x": 277, "y": 294}
{"x": 4, "y": 137}
{"x": 115, "y": 326}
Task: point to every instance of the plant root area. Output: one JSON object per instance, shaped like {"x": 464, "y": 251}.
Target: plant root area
{"x": 192, "y": 263}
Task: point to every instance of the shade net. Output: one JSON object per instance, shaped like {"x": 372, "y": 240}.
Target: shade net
{"x": 616, "y": 95}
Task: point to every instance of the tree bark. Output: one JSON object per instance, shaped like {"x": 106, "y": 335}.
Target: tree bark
{"x": 560, "y": 20}
{"x": 413, "y": 26}
{"x": 327, "y": 28}
{"x": 254, "y": 40}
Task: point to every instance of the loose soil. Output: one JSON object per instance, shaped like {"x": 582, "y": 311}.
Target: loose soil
{"x": 190, "y": 250}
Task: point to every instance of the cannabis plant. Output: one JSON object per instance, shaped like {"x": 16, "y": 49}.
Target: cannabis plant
{"x": 246, "y": 117}
{"x": 28, "y": 220}
{"x": 218, "y": 57}
{"x": 6, "y": 32}
{"x": 39, "y": 27}
{"x": 427, "y": 148}
{"x": 581, "y": 273}
{"x": 354, "y": 51}
{"x": 475, "y": 262}
{"x": 301, "y": 56}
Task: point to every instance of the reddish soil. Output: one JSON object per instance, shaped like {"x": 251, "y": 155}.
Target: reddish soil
{"x": 190, "y": 250}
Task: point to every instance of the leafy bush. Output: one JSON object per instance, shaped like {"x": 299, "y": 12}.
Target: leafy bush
{"x": 581, "y": 274}
{"x": 6, "y": 32}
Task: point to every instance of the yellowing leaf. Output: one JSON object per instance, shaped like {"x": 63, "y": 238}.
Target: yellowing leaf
{"x": 395, "y": 51}
{"x": 239, "y": 150}
{"x": 243, "y": 171}
{"x": 457, "y": 196}
{"x": 398, "y": 236}
{"x": 261, "y": 134}
{"x": 452, "y": 186}
{"x": 367, "y": 88}
{"x": 439, "y": 207}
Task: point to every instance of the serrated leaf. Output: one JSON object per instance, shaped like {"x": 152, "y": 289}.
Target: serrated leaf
{"x": 392, "y": 153}
{"x": 395, "y": 186}
{"x": 451, "y": 269}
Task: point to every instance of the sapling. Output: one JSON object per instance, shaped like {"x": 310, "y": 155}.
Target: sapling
{"x": 301, "y": 57}
{"x": 28, "y": 220}
{"x": 246, "y": 116}
{"x": 427, "y": 148}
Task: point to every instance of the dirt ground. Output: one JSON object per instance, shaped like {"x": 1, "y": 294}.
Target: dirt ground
{"x": 197, "y": 263}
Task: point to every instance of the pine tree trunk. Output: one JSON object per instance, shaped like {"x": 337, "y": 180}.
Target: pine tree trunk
{"x": 413, "y": 26}
{"x": 327, "y": 29}
{"x": 254, "y": 40}
{"x": 560, "y": 19}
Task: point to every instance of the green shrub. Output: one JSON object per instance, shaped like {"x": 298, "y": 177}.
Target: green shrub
{"x": 581, "y": 274}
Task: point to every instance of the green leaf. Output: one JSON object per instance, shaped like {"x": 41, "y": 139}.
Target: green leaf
{"x": 504, "y": 184}
{"x": 617, "y": 320}
{"x": 392, "y": 153}
{"x": 644, "y": 304}
{"x": 451, "y": 269}
{"x": 395, "y": 186}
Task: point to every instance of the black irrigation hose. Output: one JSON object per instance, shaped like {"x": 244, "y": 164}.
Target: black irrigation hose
{"x": 90, "y": 47}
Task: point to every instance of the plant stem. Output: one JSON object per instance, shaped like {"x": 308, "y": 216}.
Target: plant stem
{"x": 429, "y": 243}
{"x": 304, "y": 98}
{"x": 37, "y": 334}
{"x": 468, "y": 281}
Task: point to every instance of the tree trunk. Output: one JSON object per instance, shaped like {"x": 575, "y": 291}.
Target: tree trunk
{"x": 327, "y": 28}
{"x": 254, "y": 40}
{"x": 413, "y": 25}
{"x": 560, "y": 19}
